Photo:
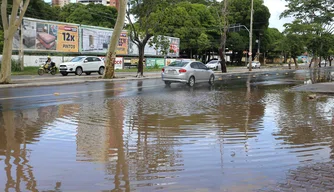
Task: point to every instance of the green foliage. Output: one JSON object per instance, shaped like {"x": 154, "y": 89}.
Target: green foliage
{"x": 294, "y": 44}
{"x": 91, "y": 14}
{"x": 312, "y": 11}
{"x": 41, "y": 10}
{"x": 15, "y": 65}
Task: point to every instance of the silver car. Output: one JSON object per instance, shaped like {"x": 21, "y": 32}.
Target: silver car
{"x": 187, "y": 71}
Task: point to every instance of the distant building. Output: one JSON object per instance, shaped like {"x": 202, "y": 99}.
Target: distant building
{"x": 86, "y": 2}
{"x": 114, "y": 3}
{"x": 60, "y": 3}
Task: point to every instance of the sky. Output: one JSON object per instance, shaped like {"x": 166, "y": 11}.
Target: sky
{"x": 276, "y": 7}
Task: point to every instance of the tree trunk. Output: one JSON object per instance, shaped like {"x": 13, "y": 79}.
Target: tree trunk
{"x": 295, "y": 61}
{"x": 289, "y": 63}
{"x": 330, "y": 61}
{"x": 222, "y": 60}
{"x": 111, "y": 56}
{"x": 5, "y": 76}
{"x": 140, "y": 70}
{"x": 309, "y": 66}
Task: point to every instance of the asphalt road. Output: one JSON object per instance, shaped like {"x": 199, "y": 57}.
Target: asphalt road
{"x": 25, "y": 97}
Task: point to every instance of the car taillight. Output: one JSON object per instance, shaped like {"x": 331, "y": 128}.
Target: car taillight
{"x": 163, "y": 70}
{"x": 182, "y": 71}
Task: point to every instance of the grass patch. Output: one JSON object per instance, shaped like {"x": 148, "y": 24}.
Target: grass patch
{"x": 27, "y": 71}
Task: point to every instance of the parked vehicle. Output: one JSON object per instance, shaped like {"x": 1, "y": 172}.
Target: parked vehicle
{"x": 324, "y": 62}
{"x": 214, "y": 65}
{"x": 255, "y": 64}
{"x": 82, "y": 64}
{"x": 187, "y": 71}
{"x": 47, "y": 68}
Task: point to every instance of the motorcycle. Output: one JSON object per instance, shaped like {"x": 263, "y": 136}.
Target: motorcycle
{"x": 44, "y": 68}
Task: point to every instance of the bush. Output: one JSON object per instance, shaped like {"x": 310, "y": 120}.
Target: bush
{"x": 15, "y": 65}
{"x": 156, "y": 66}
{"x": 300, "y": 61}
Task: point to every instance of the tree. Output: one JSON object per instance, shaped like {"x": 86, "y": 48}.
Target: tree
{"x": 10, "y": 26}
{"x": 91, "y": 14}
{"x": 189, "y": 22}
{"x": 111, "y": 56}
{"x": 312, "y": 20}
{"x": 148, "y": 16}
{"x": 293, "y": 44}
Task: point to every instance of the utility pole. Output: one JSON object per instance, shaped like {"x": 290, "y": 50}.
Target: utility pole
{"x": 250, "y": 37}
{"x": 21, "y": 50}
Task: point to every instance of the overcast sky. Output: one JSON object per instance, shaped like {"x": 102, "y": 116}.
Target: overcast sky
{"x": 276, "y": 7}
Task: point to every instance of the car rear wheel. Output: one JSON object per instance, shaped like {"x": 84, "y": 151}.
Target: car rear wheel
{"x": 212, "y": 80}
{"x": 168, "y": 82}
{"x": 191, "y": 81}
{"x": 78, "y": 71}
{"x": 64, "y": 73}
{"x": 101, "y": 70}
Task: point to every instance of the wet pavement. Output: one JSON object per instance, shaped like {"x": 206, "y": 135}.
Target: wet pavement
{"x": 249, "y": 132}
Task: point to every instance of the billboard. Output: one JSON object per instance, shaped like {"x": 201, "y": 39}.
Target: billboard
{"x": 48, "y": 36}
{"x": 153, "y": 62}
{"x": 97, "y": 39}
{"x": 118, "y": 62}
{"x": 173, "y": 51}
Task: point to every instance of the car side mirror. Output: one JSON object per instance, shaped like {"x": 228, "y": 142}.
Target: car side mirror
{"x": 85, "y": 61}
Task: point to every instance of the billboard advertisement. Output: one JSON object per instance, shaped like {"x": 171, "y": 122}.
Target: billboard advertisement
{"x": 153, "y": 62}
{"x": 173, "y": 51}
{"x": 46, "y": 36}
{"x": 118, "y": 62}
{"x": 174, "y": 47}
{"x": 97, "y": 39}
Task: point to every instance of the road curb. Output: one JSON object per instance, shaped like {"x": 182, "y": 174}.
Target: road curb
{"x": 20, "y": 85}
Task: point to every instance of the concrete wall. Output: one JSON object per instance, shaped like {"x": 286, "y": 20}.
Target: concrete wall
{"x": 30, "y": 60}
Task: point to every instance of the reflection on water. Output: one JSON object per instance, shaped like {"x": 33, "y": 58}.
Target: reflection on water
{"x": 178, "y": 139}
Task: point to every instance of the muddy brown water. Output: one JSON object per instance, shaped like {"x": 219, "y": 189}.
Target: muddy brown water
{"x": 237, "y": 137}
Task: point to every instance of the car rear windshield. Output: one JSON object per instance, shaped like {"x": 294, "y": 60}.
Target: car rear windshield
{"x": 178, "y": 63}
{"x": 77, "y": 59}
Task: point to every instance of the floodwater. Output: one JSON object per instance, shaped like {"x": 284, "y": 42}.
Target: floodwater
{"x": 241, "y": 135}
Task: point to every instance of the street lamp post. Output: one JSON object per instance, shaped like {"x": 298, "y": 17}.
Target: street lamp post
{"x": 250, "y": 37}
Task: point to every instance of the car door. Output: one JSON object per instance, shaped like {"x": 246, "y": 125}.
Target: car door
{"x": 204, "y": 71}
{"x": 97, "y": 62}
{"x": 195, "y": 71}
{"x": 88, "y": 64}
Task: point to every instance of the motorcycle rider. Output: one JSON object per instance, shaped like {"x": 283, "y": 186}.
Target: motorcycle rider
{"x": 49, "y": 63}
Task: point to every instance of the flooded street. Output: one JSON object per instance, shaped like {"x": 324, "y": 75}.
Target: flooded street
{"x": 243, "y": 134}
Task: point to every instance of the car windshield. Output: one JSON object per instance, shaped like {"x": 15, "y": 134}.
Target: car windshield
{"x": 77, "y": 59}
{"x": 178, "y": 63}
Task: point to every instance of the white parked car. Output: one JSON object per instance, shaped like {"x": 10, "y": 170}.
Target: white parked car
{"x": 255, "y": 64}
{"x": 214, "y": 65}
{"x": 82, "y": 64}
